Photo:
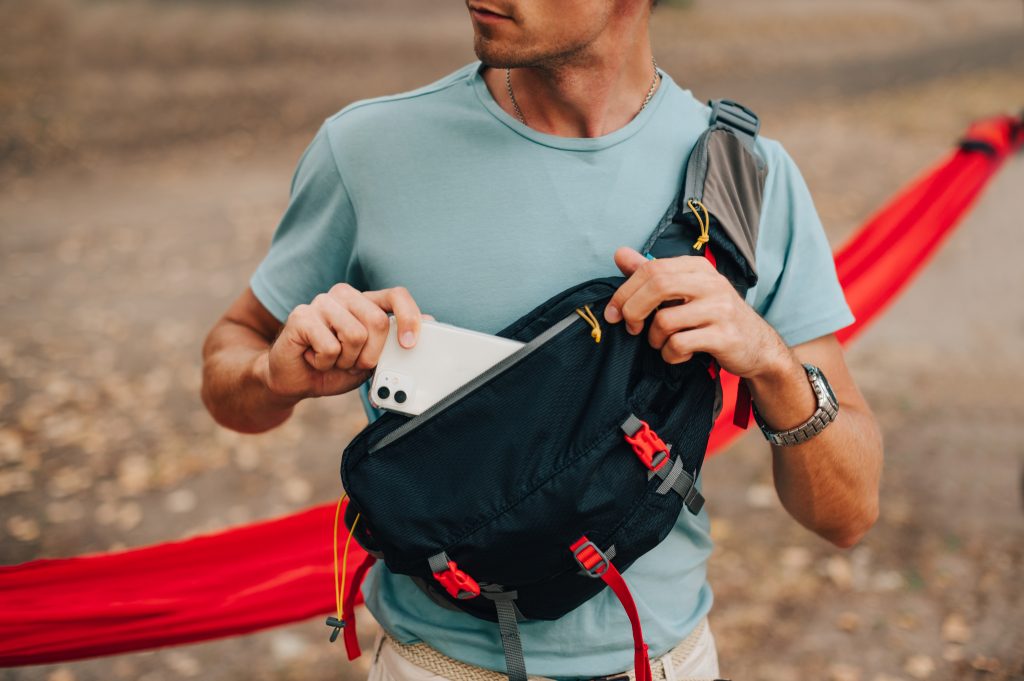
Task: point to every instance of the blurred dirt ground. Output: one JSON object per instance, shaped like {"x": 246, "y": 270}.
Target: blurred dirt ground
{"x": 146, "y": 150}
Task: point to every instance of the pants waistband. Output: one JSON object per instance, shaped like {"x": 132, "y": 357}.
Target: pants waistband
{"x": 436, "y": 662}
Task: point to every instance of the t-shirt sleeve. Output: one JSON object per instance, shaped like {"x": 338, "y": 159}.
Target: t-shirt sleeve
{"x": 313, "y": 246}
{"x": 798, "y": 292}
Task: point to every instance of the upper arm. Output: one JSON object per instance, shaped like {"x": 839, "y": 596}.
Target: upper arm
{"x": 314, "y": 244}
{"x": 248, "y": 311}
{"x": 798, "y": 292}
{"x": 246, "y": 322}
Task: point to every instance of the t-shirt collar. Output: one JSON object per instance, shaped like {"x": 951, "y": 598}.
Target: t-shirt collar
{"x": 569, "y": 143}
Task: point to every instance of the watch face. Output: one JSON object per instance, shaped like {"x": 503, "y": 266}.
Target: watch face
{"x": 828, "y": 387}
{"x": 824, "y": 382}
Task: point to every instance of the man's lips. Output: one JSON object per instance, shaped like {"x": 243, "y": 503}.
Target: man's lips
{"x": 481, "y": 13}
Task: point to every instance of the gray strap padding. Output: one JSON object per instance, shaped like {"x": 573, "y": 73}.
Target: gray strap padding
{"x": 733, "y": 189}
{"x": 515, "y": 663}
{"x": 734, "y": 115}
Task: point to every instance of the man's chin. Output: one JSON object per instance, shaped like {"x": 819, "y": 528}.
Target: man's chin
{"x": 494, "y": 60}
{"x": 497, "y": 55}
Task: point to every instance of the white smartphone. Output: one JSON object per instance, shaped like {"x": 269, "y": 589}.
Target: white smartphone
{"x": 410, "y": 380}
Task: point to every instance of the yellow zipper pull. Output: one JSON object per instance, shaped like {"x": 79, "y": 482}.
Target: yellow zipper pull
{"x": 589, "y": 316}
{"x": 704, "y": 222}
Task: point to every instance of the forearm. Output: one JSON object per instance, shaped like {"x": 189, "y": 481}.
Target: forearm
{"x": 830, "y": 482}
{"x": 235, "y": 392}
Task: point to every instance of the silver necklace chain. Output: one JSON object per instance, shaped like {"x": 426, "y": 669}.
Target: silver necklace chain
{"x": 522, "y": 119}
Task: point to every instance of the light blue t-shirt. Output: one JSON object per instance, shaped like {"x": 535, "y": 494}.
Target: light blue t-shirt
{"x": 482, "y": 218}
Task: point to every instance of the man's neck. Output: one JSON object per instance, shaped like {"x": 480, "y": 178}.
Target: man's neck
{"x": 590, "y": 96}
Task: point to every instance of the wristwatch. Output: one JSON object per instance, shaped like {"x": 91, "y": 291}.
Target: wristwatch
{"x": 825, "y": 414}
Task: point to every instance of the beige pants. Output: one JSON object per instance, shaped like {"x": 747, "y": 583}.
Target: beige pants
{"x": 389, "y": 664}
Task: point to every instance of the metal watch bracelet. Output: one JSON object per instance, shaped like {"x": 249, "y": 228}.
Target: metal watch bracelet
{"x": 828, "y": 408}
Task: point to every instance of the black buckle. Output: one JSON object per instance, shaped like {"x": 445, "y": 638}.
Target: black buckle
{"x": 337, "y": 625}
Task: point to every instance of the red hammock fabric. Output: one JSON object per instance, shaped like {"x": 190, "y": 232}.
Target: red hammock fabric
{"x": 272, "y": 573}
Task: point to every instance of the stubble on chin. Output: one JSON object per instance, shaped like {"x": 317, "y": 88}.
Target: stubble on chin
{"x": 503, "y": 55}
{"x": 496, "y": 54}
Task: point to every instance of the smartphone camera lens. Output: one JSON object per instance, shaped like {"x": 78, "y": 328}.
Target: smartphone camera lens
{"x": 383, "y": 392}
{"x": 400, "y": 396}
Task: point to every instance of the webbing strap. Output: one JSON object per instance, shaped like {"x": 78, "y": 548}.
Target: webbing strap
{"x": 515, "y": 663}
{"x": 668, "y": 480}
{"x": 631, "y": 425}
{"x": 682, "y": 483}
{"x": 744, "y": 404}
{"x": 348, "y": 615}
{"x": 438, "y": 562}
{"x": 597, "y": 564}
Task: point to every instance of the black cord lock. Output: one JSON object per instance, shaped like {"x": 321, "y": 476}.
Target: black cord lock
{"x": 337, "y": 625}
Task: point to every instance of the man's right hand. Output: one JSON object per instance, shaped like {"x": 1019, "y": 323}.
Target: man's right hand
{"x": 333, "y": 344}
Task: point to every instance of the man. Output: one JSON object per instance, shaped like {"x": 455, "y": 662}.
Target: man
{"x": 480, "y": 195}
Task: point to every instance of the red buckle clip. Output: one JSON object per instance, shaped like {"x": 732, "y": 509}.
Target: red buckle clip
{"x": 457, "y": 583}
{"x": 647, "y": 444}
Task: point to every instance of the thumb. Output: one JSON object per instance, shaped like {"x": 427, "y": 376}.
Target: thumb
{"x": 628, "y": 260}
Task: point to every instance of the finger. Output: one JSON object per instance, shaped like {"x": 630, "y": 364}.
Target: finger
{"x": 670, "y": 320}
{"x": 361, "y": 374}
{"x": 640, "y": 273}
{"x": 681, "y": 346}
{"x": 313, "y": 333}
{"x": 666, "y": 284}
{"x": 429, "y": 316}
{"x": 362, "y": 328}
{"x": 407, "y": 313}
{"x": 628, "y": 260}
{"x": 377, "y": 324}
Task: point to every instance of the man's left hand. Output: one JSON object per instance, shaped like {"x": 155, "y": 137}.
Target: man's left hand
{"x": 696, "y": 309}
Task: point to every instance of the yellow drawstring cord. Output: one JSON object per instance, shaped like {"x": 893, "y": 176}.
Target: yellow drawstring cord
{"x": 340, "y": 590}
{"x": 591, "y": 318}
{"x": 704, "y": 222}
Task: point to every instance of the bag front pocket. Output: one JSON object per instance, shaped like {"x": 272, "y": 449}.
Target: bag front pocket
{"x": 474, "y": 384}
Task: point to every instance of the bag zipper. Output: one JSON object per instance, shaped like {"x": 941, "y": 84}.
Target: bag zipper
{"x": 463, "y": 390}
{"x": 697, "y": 169}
